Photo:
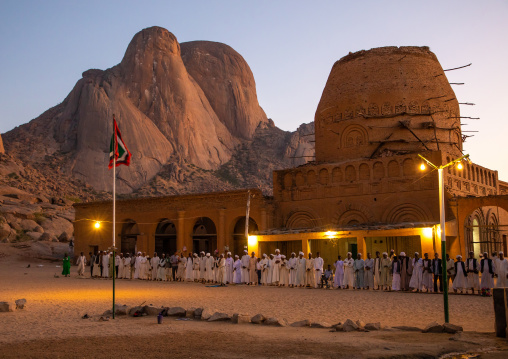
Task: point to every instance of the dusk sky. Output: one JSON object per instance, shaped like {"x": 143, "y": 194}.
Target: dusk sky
{"x": 289, "y": 45}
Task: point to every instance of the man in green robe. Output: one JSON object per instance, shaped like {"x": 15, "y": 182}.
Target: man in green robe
{"x": 66, "y": 266}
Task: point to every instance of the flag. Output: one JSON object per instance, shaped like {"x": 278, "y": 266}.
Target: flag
{"x": 118, "y": 149}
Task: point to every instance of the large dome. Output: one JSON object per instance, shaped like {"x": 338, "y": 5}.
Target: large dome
{"x": 386, "y": 101}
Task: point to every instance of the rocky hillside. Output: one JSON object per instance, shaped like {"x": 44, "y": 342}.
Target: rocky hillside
{"x": 188, "y": 112}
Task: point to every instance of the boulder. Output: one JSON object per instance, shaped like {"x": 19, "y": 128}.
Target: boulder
{"x": 373, "y": 326}
{"x": 433, "y": 328}
{"x": 206, "y": 314}
{"x": 30, "y": 226}
{"x": 276, "y": 322}
{"x": 176, "y": 312}
{"x": 57, "y": 226}
{"x": 301, "y": 323}
{"x": 349, "y": 326}
{"x": 34, "y": 235}
{"x": 64, "y": 237}
{"x": 20, "y": 303}
{"x": 452, "y": 328}
{"x": 151, "y": 310}
{"x": 240, "y": 318}
{"x": 189, "y": 313}
{"x": 258, "y": 319}
{"x": 198, "y": 312}
{"x": 45, "y": 237}
{"x": 138, "y": 309}
{"x": 121, "y": 309}
{"x": 5, "y": 307}
{"x": 217, "y": 316}
{"x": 360, "y": 324}
{"x": 337, "y": 328}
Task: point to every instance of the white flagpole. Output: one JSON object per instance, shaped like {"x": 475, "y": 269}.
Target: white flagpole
{"x": 115, "y": 144}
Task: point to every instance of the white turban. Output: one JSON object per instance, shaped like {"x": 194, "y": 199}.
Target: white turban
{"x": 264, "y": 255}
{"x": 402, "y": 254}
{"x": 416, "y": 253}
{"x": 301, "y": 253}
{"x": 208, "y": 254}
{"x": 229, "y": 253}
{"x": 283, "y": 256}
{"x": 245, "y": 251}
{"x": 277, "y": 250}
{"x": 359, "y": 254}
{"x": 501, "y": 252}
{"x": 384, "y": 253}
{"x": 293, "y": 253}
{"x": 237, "y": 256}
{"x": 458, "y": 256}
{"x": 349, "y": 253}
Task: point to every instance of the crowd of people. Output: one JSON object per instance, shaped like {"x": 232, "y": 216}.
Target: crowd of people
{"x": 383, "y": 272}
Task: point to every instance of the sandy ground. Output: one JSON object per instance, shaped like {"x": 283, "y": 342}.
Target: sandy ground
{"x": 51, "y": 324}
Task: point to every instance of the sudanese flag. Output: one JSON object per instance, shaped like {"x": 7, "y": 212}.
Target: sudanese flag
{"x": 117, "y": 149}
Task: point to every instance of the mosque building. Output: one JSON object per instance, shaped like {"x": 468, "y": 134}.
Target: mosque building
{"x": 364, "y": 192}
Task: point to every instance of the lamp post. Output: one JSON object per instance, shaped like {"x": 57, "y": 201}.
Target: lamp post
{"x": 442, "y": 222}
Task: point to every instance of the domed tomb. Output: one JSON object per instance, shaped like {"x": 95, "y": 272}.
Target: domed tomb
{"x": 387, "y": 101}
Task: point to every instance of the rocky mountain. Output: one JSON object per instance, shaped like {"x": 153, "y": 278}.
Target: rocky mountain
{"x": 188, "y": 113}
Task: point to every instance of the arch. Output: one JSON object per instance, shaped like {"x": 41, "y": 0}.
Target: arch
{"x": 204, "y": 235}
{"x": 351, "y": 214}
{"x": 413, "y": 107}
{"x": 301, "y": 220}
{"x": 354, "y": 136}
{"x": 373, "y": 109}
{"x": 323, "y": 176}
{"x": 364, "y": 172}
{"x": 311, "y": 178}
{"x": 239, "y": 241}
{"x": 393, "y": 169}
{"x": 350, "y": 173}
{"x": 406, "y": 213}
{"x": 400, "y": 107}
{"x": 378, "y": 170}
{"x": 299, "y": 179}
{"x": 408, "y": 167}
{"x": 129, "y": 236}
{"x": 336, "y": 175}
{"x": 165, "y": 237}
{"x": 288, "y": 180}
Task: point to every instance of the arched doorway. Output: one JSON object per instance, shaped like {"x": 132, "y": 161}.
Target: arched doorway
{"x": 204, "y": 236}
{"x": 129, "y": 237}
{"x": 483, "y": 233}
{"x": 165, "y": 237}
{"x": 239, "y": 241}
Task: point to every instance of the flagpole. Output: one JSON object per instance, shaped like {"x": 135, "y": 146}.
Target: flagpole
{"x": 247, "y": 213}
{"x": 114, "y": 213}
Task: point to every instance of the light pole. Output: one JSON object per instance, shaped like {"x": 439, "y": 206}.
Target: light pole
{"x": 442, "y": 222}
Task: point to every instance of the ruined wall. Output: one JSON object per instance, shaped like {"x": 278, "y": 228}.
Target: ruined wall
{"x": 386, "y": 101}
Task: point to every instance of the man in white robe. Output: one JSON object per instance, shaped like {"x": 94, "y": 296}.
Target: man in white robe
{"x": 487, "y": 268}
{"x": 154, "y": 265}
{"x": 189, "y": 269}
{"x": 127, "y": 266}
{"x": 318, "y": 269}
{"x": 358, "y": 267}
{"x": 264, "y": 270}
{"x": 416, "y": 282}
{"x": 202, "y": 267}
{"x": 338, "y": 278}
{"x": 209, "y": 268}
{"x": 237, "y": 270}
{"x": 472, "y": 269}
{"x": 229, "y": 268}
{"x": 119, "y": 265}
{"x": 105, "y": 265}
{"x": 245, "y": 267}
{"x": 81, "y": 263}
{"x": 502, "y": 271}
{"x": 369, "y": 272}
{"x": 301, "y": 267}
{"x": 137, "y": 266}
{"x": 349, "y": 273}
{"x": 270, "y": 270}
{"x": 161, "y": 268}
{"x": 292, "y": 269}
{"x": 276, "y": 267}
{"x": 221, "y": 270}
{"x": 377, "y": 271}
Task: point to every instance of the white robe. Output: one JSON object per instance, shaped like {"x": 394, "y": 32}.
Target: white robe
{"x": 195, "y": 267}
{"x": 284, "y": 272}
{"x": 137, "y": 268}
{"x": 396, "y": 276}
{"x": 416, "y": 281}
{"x": 301, "y": 265}
{"x": 338, "y": 278}
{"x": 427, "y": 276}
{"x": 221, "y": 270}
{"x": 189, "y": 270}
{"x": 105, "y": 266}
{"x": 377, "y": 272}
{"x": 161, "y": 269}
{"x": 202, "y": 268}
{"x": 154, "y": 264}
{"x": 229, "y": 270}
{"x": 368, "y": 275}
{"x": 318, "y": 270}
{"x": 81, "y": 263}
{"x": 269, "y": 275}
{"x": 502, "y": 271}
{"x": 292, "y": 262}
{"x": 277, "y": 259}
{"x": 237, "y": 266}
{"x": 119, "y": 264}
{"x": 127, "y": 268}
{"x": 209, "y": 268}
{"x": 473, "y": 279}
{"x": 487, "y": 278}
{"x": 264, "y": 270}
{"x": 245, "y": 268}
{"x": 460, "y": 280}
{"x": 349, "y": 277}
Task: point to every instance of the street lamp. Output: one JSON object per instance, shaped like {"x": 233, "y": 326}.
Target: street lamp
{"x": 442, "y": 221}
{"x": 97, "y": 225}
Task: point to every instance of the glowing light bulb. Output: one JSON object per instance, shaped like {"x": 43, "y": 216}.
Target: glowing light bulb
{"x": 422, "y": 167}
{"x": 459, "y": 166}
{"x": 97, "y": 224}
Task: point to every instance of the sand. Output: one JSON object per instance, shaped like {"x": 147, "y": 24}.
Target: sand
{"x": 51, "y": 324}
